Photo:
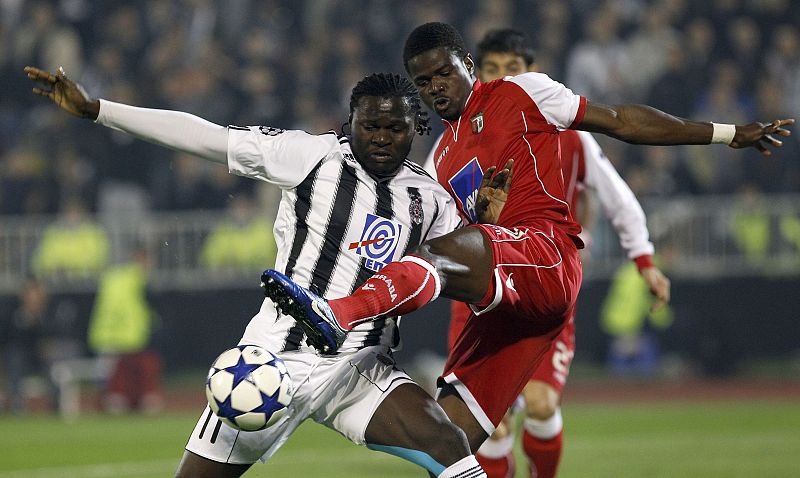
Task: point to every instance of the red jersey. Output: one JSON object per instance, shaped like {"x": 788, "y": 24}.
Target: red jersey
{"x": 516, "y": 117}
{"x": 573, "y": 166}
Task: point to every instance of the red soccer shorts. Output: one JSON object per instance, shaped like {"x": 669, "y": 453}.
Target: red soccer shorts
{"x": 537, "y": 275}
{"x": 554, "y": 368}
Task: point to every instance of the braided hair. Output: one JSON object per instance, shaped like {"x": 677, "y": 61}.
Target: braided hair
{"x": 389, "y": 85}
{"x": 433, "y": 35}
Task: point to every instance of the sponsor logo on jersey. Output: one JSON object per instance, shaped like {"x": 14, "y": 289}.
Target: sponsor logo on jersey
{"x": 477, "y": 123}
{"x": 378, "y": 243}
{"x": 270, "y": 131}
{"x": 510, "y": 282}
{"x": 465, "y": 184}
{"x": 441, "y": 155}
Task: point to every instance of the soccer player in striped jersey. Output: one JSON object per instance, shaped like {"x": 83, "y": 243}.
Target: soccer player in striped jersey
{"x": 504, "y": 53}
{"x": 521, "y": 276}
{"x": 350, "y": 205}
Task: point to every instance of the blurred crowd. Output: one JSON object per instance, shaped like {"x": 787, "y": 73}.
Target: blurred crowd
{"x": 292, "y": 64}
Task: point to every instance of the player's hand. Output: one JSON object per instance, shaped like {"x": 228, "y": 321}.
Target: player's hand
{"x": 659, "y": 286}
{"x": 493, "y": 193}
{"x": 760, "y": 135}
{"x": 67, "y": 94}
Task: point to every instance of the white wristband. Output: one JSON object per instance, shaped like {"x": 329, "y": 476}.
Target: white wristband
{"x": 723, "y": 133}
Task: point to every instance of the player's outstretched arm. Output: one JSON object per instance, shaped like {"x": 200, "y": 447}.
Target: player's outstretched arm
{"x": 173, "y": 129}
{"x": 493, "y": 193}
{"x": 641, "y": 124}
{"x": 67, "y": 94}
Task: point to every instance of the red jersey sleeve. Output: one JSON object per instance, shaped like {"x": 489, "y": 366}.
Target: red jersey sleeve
{"x": 557, "y": 103}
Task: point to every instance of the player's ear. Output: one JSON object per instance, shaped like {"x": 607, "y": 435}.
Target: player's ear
{"x": 469, "y": 63}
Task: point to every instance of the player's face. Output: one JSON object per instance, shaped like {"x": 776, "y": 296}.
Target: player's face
{"x": 382, "y": 132}
{"x": 444, "y": 80}
{"x": 495, "y": 64}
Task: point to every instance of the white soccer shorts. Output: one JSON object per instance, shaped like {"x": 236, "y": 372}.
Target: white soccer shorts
{"x": 340, "y": 392}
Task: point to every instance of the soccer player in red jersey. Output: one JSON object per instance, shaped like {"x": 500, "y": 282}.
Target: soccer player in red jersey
{"x": 504, "y": 53}
{"x": 521, "y": 275}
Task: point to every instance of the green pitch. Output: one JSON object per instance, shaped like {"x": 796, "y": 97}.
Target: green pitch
{"x": 706, "y": 439}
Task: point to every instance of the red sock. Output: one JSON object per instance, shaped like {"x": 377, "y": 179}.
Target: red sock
{"x": 543, "y": 455}
{"x": 502, "y": 467}
{"x": 399, "y": 288}
{"x": 496, "y": 456}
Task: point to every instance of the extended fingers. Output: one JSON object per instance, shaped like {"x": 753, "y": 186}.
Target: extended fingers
{"x": 510, "y": 169}
{"x": 499, "y": 179}
{"x": 774, "y": 142}
{"x": 41, "y": 92}
{"x": 487, "y": 176}
{"x": 39, "y": 75}
{"x": 775, "y": 127}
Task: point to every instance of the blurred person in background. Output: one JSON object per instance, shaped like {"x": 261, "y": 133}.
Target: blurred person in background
{"x": 23, "y": 182}
{"x": 121, "y": 328}
{"x": 73, "y": 247}
{"x": 629, "y": 318}
{"x": 23, "y": 336}
{"x": 597, "y": 64}
{"x": 750, "y": 225}
{"x": 242, "y": 241}
{"x": 586, "y": 170}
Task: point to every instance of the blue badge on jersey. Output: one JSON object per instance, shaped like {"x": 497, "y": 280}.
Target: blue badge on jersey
{"x": 465, "y": 184}
{"x": 378, "y": 242}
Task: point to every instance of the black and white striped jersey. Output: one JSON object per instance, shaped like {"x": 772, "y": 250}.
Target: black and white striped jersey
{"x": 336, "y": 224}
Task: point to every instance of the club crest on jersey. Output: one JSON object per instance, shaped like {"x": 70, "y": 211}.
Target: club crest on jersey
{"x": 378, "y": 242}
{"x": 415, "y": 211}
{"x": 465, "y": 184}
{"x": 477, "y": 123}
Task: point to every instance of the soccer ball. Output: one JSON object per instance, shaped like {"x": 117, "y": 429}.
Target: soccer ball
{"x": 248, "y": 387}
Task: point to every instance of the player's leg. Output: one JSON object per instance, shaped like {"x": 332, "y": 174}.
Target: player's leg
{"x": 495, "y": 455}
{"x": 542, "y": 428}
{"x": 457, "y": 265}
{"x": 410, "y": 424}
{"x": 195, "y": 466}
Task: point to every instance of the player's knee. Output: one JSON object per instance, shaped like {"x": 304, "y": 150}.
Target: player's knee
{"x": 432, "y": 447}
{"x": 504, "y": 428}
{"x": 450, "y": 444}
{"x": 427, "y": 252}
{"x": 540, "y": 406}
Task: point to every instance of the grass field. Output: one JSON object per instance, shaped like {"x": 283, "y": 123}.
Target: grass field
{"x": 640, "y": 439}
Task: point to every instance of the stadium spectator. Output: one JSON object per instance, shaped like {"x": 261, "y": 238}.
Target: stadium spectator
{"x": 359, "y": 392}
{"x": 523, "y": 274}
{"x": 631, "y": 322}
{"x": 22, "y": 335}
{"x": 242, "y": 241}
{"x": 150, "y": 42}
{"x": 121, "y": 327}
{"x": 75, "y": 247}
{"x": 750, "y": 225}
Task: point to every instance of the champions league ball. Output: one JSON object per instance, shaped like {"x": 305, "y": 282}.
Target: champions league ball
{"x": 248, "y": 387}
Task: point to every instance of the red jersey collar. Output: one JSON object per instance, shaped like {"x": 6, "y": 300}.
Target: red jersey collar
{"x": 475, "y": 87}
